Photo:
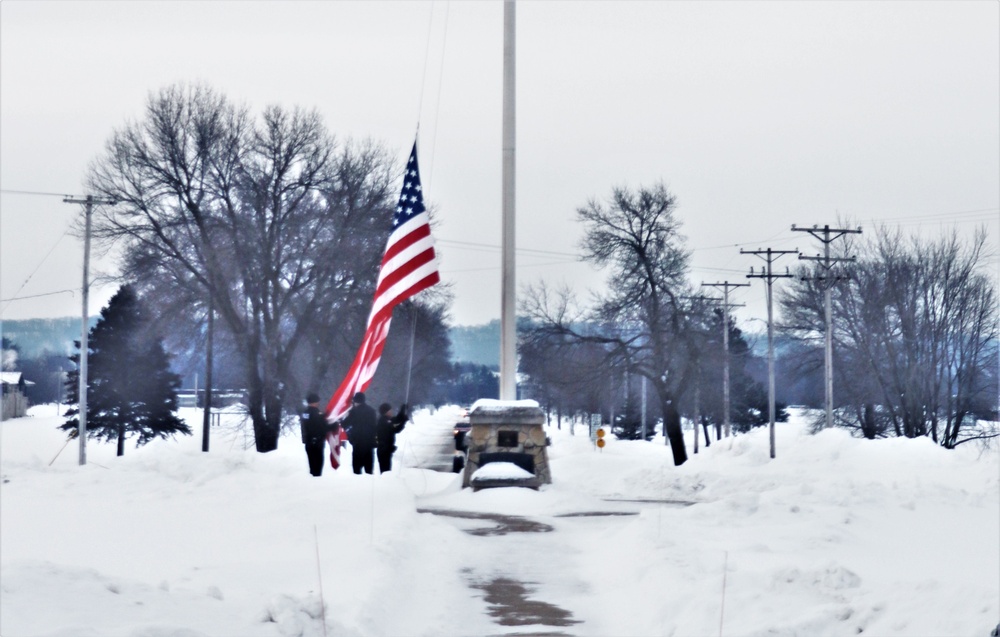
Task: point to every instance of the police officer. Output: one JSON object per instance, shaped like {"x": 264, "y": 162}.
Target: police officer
{"x": 386, "y": 429}
{"x": 314, "y": 430}
{"x": 360, "y": 426}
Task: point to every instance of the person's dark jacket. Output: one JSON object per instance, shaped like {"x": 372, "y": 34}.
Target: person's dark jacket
{"x": 387, "y": 428}
{"x": 314, "y": 426}
{"x": 360, "y": 426}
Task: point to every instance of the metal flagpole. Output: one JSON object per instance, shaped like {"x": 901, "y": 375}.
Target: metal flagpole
{"x": 508, "y": 318}
{"x": 413, "y": 339}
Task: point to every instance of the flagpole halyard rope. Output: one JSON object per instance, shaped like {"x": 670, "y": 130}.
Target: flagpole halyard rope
{"x": 437, "y": 105}
{"x": 427, "y": 51}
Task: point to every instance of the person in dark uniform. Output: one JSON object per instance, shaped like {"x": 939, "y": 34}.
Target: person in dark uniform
{"x": 360, "y": 427}
{"x": 385, "y": 433}
{"x": 314, "y": 430}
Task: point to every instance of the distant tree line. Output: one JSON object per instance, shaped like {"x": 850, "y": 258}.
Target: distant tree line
{"x": 915, "y": 334}
{"x": 44, "y": 371}
{"x": 650, "y": 324}
{"x": 269, "y": 229}
{"x": 38, "y": 336}
{"x": 39, "y": 349}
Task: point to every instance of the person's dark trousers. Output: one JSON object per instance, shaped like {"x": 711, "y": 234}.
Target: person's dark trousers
{"x": 315, "y": 454}
{"x": 384, "y": 460}
{"x": 363, "y": 459}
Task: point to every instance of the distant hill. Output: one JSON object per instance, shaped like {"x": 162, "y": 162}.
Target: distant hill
{"x": 479, "y": 344}
{"x": 36, "y": 336}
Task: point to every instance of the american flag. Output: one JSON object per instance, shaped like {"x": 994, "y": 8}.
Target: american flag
{"x": 408, "y": 266}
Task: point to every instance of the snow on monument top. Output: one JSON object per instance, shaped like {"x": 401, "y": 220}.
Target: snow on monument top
{"x": 492, "y": 404}
{"x": 506, "y": 412}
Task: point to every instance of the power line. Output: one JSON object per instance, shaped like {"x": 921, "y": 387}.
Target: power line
{"x": 739, "y": 245}
{"x": 965, "y": 216}
{"x": 520, "y": 266}
{"x": 34, "y": 192}
{"x": 35, "y": 296}
{"x": 935, "y": 215}
{"x": 37, "y": 267}
{"x": 695, "y": 268}
{"x": 490, "y": 246}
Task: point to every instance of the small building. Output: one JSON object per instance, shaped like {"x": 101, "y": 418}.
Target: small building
{"x": 15, "y": 402}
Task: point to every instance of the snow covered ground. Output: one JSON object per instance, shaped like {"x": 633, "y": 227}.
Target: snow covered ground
{"x": 836, "y": 536}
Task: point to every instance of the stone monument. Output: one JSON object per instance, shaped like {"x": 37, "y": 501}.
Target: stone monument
{"x": 507, "y": 431}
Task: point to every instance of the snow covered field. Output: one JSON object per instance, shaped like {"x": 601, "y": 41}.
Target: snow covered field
{"x": 837, "y": 536}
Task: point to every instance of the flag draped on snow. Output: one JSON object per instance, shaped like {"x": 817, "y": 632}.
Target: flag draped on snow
{"x": 409, "y": 266}
{"x": 335, "y": 439}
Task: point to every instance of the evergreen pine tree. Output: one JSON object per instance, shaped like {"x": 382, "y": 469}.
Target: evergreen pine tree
{"x": 628, "y": 425}
{"x": 131, "y": 390}
{"x": 748, "y": 396}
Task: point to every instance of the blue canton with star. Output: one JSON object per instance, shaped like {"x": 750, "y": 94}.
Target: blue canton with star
{"x": 411, "y": 199}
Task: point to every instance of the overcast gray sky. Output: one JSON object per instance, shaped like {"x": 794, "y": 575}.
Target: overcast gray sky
{"x": 757, "y": 116}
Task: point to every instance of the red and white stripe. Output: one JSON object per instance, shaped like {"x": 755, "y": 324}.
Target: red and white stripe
{"x": 409, "y": 266}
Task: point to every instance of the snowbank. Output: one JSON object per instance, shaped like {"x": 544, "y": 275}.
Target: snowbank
{"x": 835, "y": 536}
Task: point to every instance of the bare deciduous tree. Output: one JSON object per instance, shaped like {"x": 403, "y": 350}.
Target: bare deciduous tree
{"x": 649, "y": 320}
{"x": 915, "y": 330}
{"x": 270, "y": 219}
{"x": 568, "y": 371}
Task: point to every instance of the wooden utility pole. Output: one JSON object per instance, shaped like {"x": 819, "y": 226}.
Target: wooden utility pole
{"x": 827, "y": 235}
{"x": 697, "y": 411}
{"x": 88, "y": 207}
{"x": 642, "y": 408}
{"x": 769, "y": 276}
{"x": 725, "y": 285}
{"x": 508, "y": 309}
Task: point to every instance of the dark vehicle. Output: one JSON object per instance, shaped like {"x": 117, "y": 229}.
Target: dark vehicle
{"x": 461, "y": 431}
